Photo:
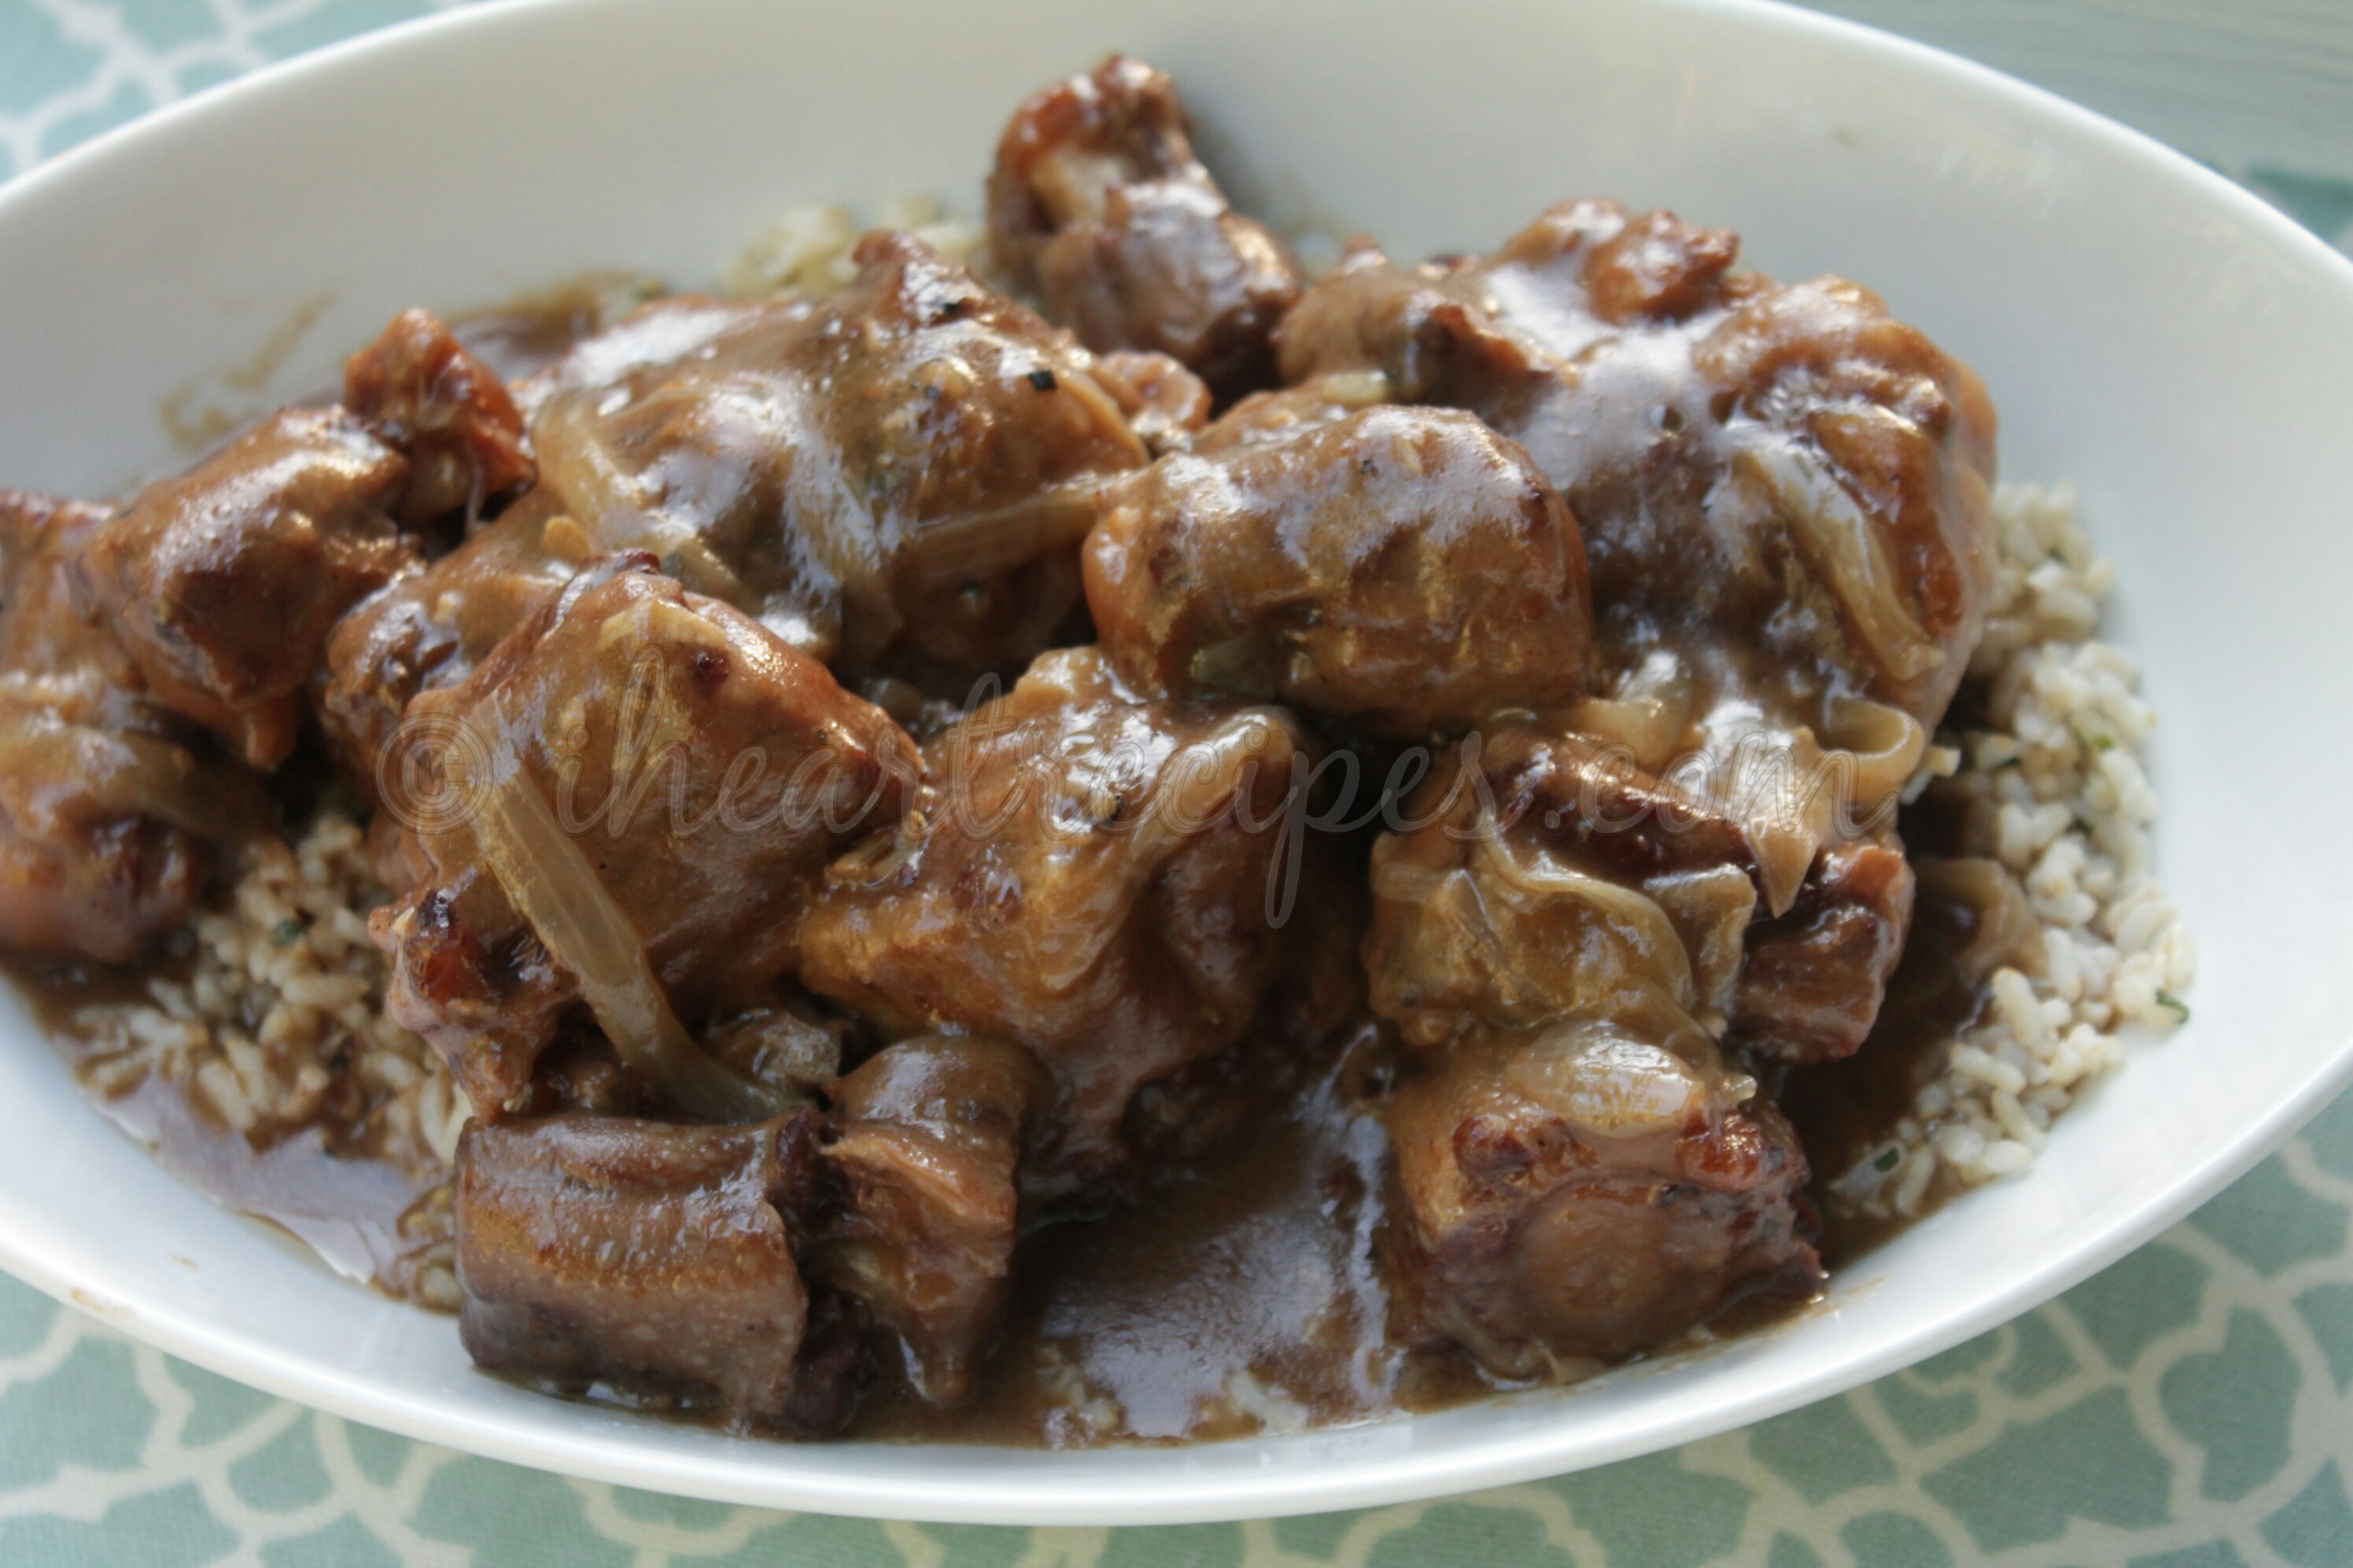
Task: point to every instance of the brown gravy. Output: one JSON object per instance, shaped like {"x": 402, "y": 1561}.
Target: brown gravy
{"x": 1242, "y": 1295}
{"x": 1843, "y": 1110}
{"x": 358, "y": 1212}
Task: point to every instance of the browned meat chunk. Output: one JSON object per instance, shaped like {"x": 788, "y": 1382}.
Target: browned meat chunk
{"x": 1540, "y": 880}
{"x": 900, "y": 473}
{"x": 660, "y": 1258}
{"x": 1784, "y": 494}
{"x": 1584, "y": 1171}
{"x": 1283, "y": 414}
{"x": 423, "y": 392}
{"x": 110, "y": 805}
{"x": 1815, "y": 976}
{"x": 1405, "y": 568}
{"x": 223, "y": 583}
{"x": 1560, "y": 1203}
{"x": 652, "y": 784}
{"x": 431, "y": 628}
{"x": 1421, "y": 334}
{"x": 1098, "y": 203}
{"x": 1165, "y": 404}
{"x": 1804, "y": 985}
{"x": 895, "y": 479}
{"x": 930, "y": 1132}
{"x": 1778, "y": 485}
{"x": 1084, "y": 875}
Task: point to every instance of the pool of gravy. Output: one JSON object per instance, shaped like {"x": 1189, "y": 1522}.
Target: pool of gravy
{"x": 1241, "y": 1293}
{"x": 366, "y": 1217}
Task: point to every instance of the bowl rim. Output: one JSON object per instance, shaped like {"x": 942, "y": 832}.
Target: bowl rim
{"x": 1174, "y": 1496}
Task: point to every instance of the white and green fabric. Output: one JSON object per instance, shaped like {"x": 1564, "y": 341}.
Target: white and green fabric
{"x": 2192, "y": 1407}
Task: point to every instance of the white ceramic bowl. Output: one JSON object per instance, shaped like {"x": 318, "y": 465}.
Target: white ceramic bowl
{"x": 2180, "y": 350}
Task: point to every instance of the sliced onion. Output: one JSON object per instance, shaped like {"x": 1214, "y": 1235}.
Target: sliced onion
{"x": 1074, "y": 915}
{"x": 1770, "y": 779}
{"x": 1635, "y": 915}
{"x": 621, "y": 511}
{"x": 110, "y": 771}
{"x": 1711, "y": 907}
{"x": 1110, "y": 419}
{"x": 1844, "y": 547}
{"x": 952, "y": 550}
{"x": 1605, "y": 1081}
{"x": 1885, "y": 742}
{"x": 608, "y": 502}
{"x": 553, "y": 886}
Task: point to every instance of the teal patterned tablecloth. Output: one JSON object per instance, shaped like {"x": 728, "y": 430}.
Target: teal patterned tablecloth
{"x": 2192, "y": 1407}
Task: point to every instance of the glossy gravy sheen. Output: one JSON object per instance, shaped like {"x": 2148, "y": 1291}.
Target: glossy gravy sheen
{"x": 1245, "y": 1293}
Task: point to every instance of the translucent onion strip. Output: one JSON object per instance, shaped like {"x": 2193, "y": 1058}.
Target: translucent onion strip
{"x": 1637, "y": 918}
{"x": 554, "y": 887}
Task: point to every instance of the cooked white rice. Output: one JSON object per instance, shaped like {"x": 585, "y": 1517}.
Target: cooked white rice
{"x": 279, "y": 1019}
{"x": 2056, "y": 789}
{"x": 806, "y": 251}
